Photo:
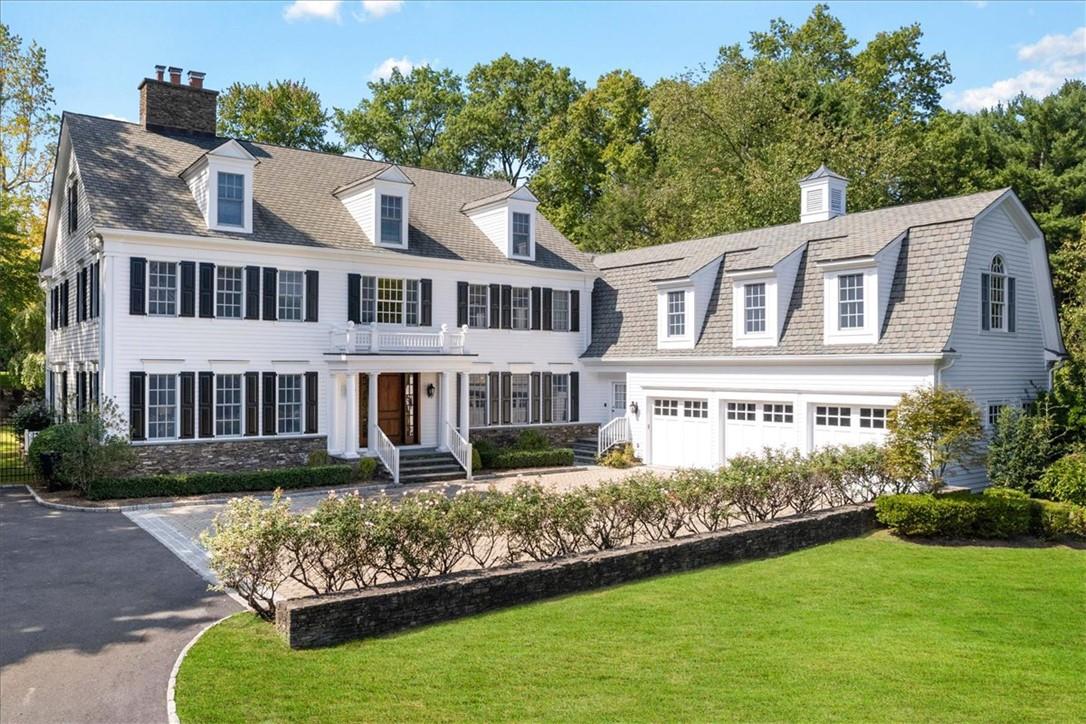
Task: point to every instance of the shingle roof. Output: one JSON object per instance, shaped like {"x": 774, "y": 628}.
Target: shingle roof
{"x": 132, "y": 181}
{"x": 923, "y": 296}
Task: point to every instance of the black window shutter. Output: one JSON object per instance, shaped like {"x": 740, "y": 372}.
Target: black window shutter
{"x": 206, "y": 407}
{"x": 426, "y": 302}
{"x": 548, "y": 321}
{"x": 495, "y": 398}
{"x": 53, "y": 308}
{"x": 80, "y": 390}
{"x": 574, "y": 311}
{"x": 81, "y": 292}
{"x": 137, "y": 286}
{"x": 188, "y": 404}
{"x": 269, "y": 404}
{"x": 574, "y": 396}
{"x": 188, "y": 289}
{"x": 96, "y": 290}
{"x": 536, "y": 394}
{"x": 252, "y": 292}
{"x": 310, "y": 403}
{"x": 354, "y": 298}
{"x": 270, "y": 287}
{"x": 312, "y": 294}
{"x": 252, "y": 403}
{"x": 507, "y": 306}
{"x": 495, "y": 306}
{"x": 985, "y": 314}
{"x": 461, "y": 304}
{"x": 507, "y": 393}
{"x": 1010, "y": 304}
{"x": 537, "y": 306}
{"x": 66, "y": 294}
{"x": 136, "y": 407}
{"x": 64, "y": 395}
{"x": 548, "y": 394}
{"x": 207, "y": 290}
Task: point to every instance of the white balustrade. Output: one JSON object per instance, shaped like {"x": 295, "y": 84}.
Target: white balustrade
{"x": 613, "y": 433}
{"x": 389, "y": 453}
{"x": 372, "y": 339}
{"x": 460, "y": 448}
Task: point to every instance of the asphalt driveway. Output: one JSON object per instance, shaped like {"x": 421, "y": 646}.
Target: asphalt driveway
{"x": 93, "y": 613}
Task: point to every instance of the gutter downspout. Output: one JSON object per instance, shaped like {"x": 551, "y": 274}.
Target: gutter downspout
{"x": 949, "y": 360}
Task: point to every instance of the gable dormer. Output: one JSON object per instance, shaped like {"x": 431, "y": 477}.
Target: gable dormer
{"x": 221, "y": 182}
{"x": 508, "y": 219}
{"x": 760, "y": 299}
{"x": 682, "y": 303}
{"x": 380, "y": 203}
{"x": 823, "y": 196}
{"x": 856, "y": 295}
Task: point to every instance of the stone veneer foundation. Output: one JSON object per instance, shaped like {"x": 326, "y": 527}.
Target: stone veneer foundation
{"x": 558, "y": 435}
{"x": 225, "y": 455}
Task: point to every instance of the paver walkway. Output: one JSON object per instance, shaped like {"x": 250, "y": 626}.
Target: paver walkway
{"x": 93, "y": 613}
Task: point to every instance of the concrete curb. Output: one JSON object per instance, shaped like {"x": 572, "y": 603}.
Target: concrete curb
{"x": 171, "y": 686}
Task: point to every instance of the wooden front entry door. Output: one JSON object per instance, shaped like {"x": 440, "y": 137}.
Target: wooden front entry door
{"x": 390, "y": 407}
{"x": 397, "y": 407}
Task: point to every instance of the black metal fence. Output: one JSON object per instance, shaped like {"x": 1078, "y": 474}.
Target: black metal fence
{"x": 14, "y": 466}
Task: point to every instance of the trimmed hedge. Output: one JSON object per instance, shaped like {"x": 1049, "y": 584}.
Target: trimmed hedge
{"x": 997, "y": 514}
{"x": 153, "y": 486}
{"x": 1065, "y": 479}
{"x": 551, "y": 457}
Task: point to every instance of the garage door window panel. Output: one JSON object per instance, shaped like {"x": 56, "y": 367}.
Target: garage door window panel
{"x": 832, "y": 416}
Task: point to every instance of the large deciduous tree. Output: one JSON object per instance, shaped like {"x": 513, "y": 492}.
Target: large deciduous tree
{"x": 284, "y": 112}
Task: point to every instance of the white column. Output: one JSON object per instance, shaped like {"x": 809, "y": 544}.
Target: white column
{"x": 443, "y": 389}
{"x": 371, "y": 412}
{"x": 465, "y": 423}
{"x": 350, "y": 417}
{"x": 335, "y": 403}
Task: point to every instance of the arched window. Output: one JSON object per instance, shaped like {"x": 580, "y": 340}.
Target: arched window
{"x": 997, "y": 298}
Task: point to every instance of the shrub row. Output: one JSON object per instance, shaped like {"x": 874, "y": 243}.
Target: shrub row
{"x": 150, "y": 486}
{"x": 352, "y": 541}
{"x": 997, "y": 514}
{"x": 552, "y": 457}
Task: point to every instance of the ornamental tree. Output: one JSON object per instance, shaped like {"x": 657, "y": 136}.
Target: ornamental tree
{"x": 931, "y": 430}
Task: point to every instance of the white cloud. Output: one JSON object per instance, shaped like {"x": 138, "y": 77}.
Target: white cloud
{"x": 313, "y": 9}
{"x": 979, "y": 4}
{"x": 384, "y": 71}
{"x": 380, "y": 8}
{"x": 1055, "y": 57}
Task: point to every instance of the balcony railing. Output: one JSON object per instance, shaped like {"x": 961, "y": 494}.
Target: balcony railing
{"x": 371, "y": 339}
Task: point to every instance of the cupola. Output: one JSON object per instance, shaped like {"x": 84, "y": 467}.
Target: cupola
{"x": 823, "y": 195}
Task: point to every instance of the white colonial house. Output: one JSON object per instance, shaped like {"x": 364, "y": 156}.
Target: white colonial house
{"x": 247, "y": 305}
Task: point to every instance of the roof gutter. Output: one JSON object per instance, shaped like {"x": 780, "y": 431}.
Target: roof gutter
{"x": 828, "y": 359}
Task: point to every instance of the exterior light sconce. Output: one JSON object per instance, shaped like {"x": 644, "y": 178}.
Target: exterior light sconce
{"x": 633, "y": 408}
{"x": 430, "y": 389}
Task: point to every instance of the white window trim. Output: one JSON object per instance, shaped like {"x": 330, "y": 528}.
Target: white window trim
{"x": 244, "y": 288}
{"x": 663, "y": 339}
{"x": 243, "y": 168}
{"x": 241, "y": 405}
{"x": 486, "y": 306}
{"x": 405, "y": 281}
{"x": 147, "y": 407}
{"x": 528, "y": 325}
{"x": 278, "y": 292}
{"x": 868, "y": 333}
{"x": 740, "y": 336}
{"x": 1006, "y": 276}
{"x": 147, "y": 288}
{"x": 531, "y": 234}
{"x": 555, "y": 293}
{"x": 402, "y": 196}
{"x": 301, "y": 403}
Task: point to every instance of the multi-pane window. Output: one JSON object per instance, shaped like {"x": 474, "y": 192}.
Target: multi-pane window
{"x": 231, "y": 199}
{"x": 698, "y": 409}
{"x": 522, "y": 234}
{"x": 290, "y": 404}
{"x": 873, "y": 417}
{"x": 519, "y": 390}
{"x": 391, "y": 219}
{"x": 777, "y": 412}
{"x": 477, "y": 305}
{"x": 665, "y": 408}
{"x": 742, "y": 411}
{"x": 227, "y": 405}
{"x": 618, "y": 398}
{"x": 477, "y": 400}
{"x": 850, "y": 301}
{"x": 560, "y": 398}
{"x": 389, "y": 301}
{"x": 369, "y": 300}
{"x": 829, "y": 416}
{"x": 291, "y": 289}
{"x": 993, "y": 413}
{"x": 161, "y": 406}
{"x": 162, "y": 288}
{"x": 754, "y": 307}
{"x": 228, "y": 291}
{"x": 521, "y": 308}
{"x": 560, "y": 311}
{"x": 676, "y": 314}
{"x": 411, "y": 303}
{"x": 997, "y": 294}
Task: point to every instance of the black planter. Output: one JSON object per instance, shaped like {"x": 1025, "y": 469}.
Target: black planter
{"x": 50, "y": 461}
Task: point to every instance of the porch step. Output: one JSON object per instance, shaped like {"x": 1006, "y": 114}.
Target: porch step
{"x": 428, "y": 466}
{"x": 584, "y": 451}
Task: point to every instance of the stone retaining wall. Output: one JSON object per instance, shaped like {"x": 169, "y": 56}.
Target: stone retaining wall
{"x": 326, "y": 620}
{"x": 557, "y": 435}
{"x": 225, "y": 455}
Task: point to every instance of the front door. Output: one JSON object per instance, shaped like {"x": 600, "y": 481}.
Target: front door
{"x": 390, "y": 412}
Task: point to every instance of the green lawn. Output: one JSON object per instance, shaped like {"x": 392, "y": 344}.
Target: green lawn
{"x": 865, "y": 629}
{"x": 11, "y": 459}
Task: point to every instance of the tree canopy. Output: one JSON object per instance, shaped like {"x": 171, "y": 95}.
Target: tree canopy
{"x": 284, "y": 112}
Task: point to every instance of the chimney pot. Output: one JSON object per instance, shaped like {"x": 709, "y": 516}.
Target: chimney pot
{"x": 159, "y": 71}
{"x": 196, "y": 79}
{"x": 177, "y": 107}
{"x": 175, "y": 75}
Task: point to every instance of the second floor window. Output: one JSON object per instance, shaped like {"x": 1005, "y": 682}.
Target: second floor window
{"x": 162, "y": 288}
{"x": 850, "y": 301}
{"x": 754, "y": 308}
{"x": 676, "y": 314}
{"x": 228, "y": 287}
{"x": 999, "y": 294}
{"x": 560, "y": 311}
{"x": 522, "y": 234}
{"x": 231, "y": 199}
{"x": 391, "y": 219}
{"x": 390, "y": 301}
{"x": 521, "y": 317}
{"x": 291, "y": 285}
{"x": 477, "y": 305}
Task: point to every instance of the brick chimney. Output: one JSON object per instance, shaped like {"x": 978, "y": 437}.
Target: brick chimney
{"x": 171, "y": 106}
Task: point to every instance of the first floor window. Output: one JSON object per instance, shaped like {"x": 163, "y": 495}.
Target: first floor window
{"x": 522, "y": 234}
{"x": 161, "y": 406}
{"x": 560, "y": 311}
{"x": 162, "y": 288}
{"x": 742, "y": 411}
{"x": 754, "y": 307}
{"x": 873, "y": 417}
{"x": 477, "y": 305}
{"x": 829, "y": 416}
{"x": 994, "y": 409}
{"x": 291, "y": 286}
{"x": 522, "y": 306}
{"x": 665, "y": 408}
{"x": 775, "y": 412}
{"x": 477, "y": 401}
{"x": 560, "y": 398}
{"x": 290, "y": 404}
{"x": 698, "y": 409}
{"x": 520, "y": 386}
{"x": 850, "y": 301}
{"x": 676, "y": 314}
{"x": 389, "y": 301}
{"x": 618, "y": 398}
{"x": 227, "y": 405}
{"x": 228, "y": 287}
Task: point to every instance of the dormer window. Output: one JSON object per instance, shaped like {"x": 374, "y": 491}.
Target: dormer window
{"x": 997, "y": 290}
{"x": 507, "y": 219}
{"x": 391, "y": 219}
{"x": 522, "y": 234}
{"x": 380, "y": 203}
{"x": 850, "y": 301}
{"x": 231, "y": 208}
{"x": 754, "y": 308}
{"x": 676, "y": 314}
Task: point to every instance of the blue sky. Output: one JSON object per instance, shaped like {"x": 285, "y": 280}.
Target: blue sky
{"x": 99, "y": 51}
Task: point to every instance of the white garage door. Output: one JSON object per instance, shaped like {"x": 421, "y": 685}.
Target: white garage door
{"x": 751, "y": 426}
{"x": 681, "y": 434}
{"x": 848, "y": 424}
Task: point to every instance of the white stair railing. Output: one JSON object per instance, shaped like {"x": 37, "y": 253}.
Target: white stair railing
{"x": 460, "y": 448}
{"x": 389, "y": 454}
{"x": 612, "y": 433}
